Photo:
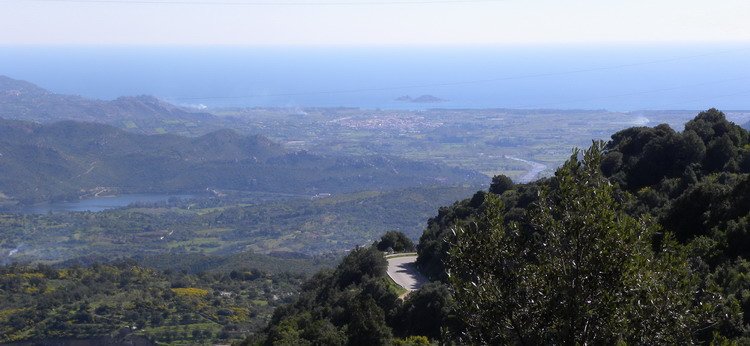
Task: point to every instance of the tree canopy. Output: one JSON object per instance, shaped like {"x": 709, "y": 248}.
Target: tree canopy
{"x": 395, "y": 241}
{"x": 585, "y": 272}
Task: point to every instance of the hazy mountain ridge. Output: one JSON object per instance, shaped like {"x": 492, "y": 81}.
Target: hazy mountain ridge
{"x": 25, "y": 101}
{"x": 66, "y": 160}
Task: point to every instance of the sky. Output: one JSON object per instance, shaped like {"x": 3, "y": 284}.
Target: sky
{"x": 370, "y": 22}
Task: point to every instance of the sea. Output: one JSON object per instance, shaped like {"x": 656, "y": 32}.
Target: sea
{"x": 616, "y": 77}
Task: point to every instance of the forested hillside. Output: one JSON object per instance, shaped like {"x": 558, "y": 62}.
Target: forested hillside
{"x": 357, "y": 304}
{"x": 643, "y": 240}
{"x": 67, "y": 160}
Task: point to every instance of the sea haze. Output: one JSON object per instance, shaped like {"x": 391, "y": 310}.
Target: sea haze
{"x": 613, "y": 77}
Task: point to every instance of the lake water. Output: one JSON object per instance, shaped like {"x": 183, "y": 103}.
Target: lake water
{"x": 616, "y": 77}
{"x": 98, "y": 203}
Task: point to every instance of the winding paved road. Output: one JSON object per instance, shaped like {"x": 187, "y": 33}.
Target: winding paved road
{"x": 402, "y": 270}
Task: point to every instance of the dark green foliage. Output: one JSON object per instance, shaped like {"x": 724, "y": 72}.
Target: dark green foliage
{"x": 703, "y": 195}
{"x": 578, "y": 278}
{"x": 642, "y": 156}
{"x": 428, "y": 312}
{"x": 719, "y": 153}
{"x": 686, "y": 214}
{"x": 353, "y": 305}
{"x": 732, "y": 278}
{"x": 303, "y": 330}
{"x": 433, "y": 245}
{"x": 712, "y": 124}
{"x": 435, "y": 241}
{"x": 350, "y": 305}
{"x": 706, "y": 206}
{"x": 367, "y": 325}
{"x": 414, "y": 340}
{"x": 500, "y": 183}
{"x": 395, "y": 241}
{"x": 360, "y": 264}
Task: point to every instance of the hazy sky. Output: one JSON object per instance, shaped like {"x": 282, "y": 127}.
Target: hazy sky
{"x": 370, "y": 22}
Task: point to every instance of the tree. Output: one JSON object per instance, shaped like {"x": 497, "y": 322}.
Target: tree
{"x": 712, "y": 124}
{"x": 434, "y": 242}
{"x": 719, "y": 152}
{"x": 413, "y": 340}
{"x": 395, "y": 241}
{"x": 500, "y": 183}
{"x": 583, "y": 272}
{"x": 426, "y": 311}
{"x": 367, "y": 324}
{"x": 360, "y": 264}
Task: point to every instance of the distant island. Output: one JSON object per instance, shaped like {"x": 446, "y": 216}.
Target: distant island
{"x": 420, "y": 99}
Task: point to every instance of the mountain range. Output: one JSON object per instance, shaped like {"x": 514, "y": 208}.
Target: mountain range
{"x": 67, "y": 160}
{"x": 25, "y": 101}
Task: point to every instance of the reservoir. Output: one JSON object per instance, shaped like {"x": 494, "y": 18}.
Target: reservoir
{"x": 98, "y": 203}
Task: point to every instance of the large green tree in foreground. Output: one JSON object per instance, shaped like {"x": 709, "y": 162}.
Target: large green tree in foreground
{"x": 580, "y": 271}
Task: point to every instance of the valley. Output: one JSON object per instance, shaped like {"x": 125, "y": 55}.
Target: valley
{"x": 473, "y": 139}
{"x": 374, "y": 173}
{"x": 229, "y": 211}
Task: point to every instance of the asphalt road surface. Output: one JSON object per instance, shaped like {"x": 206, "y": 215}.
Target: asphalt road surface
{"x": 403, "y": 271}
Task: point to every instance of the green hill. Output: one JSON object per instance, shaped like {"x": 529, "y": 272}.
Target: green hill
{"x": 68, "y": 160}
{"x": 643, "y": 240}
{"x": 25, "y": 101}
